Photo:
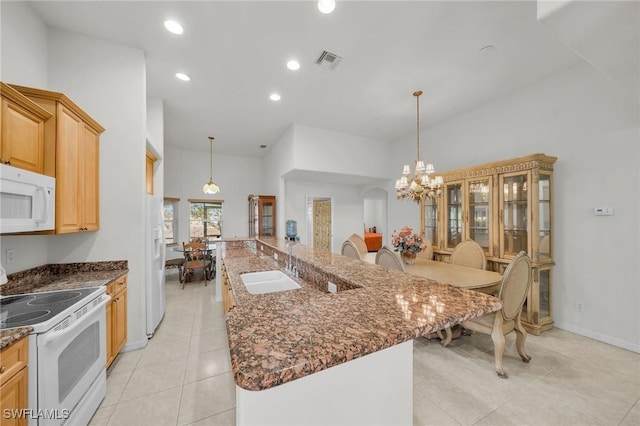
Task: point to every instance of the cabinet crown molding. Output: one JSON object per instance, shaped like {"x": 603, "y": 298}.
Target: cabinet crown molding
{"x": 26, "y": 103}
{"x": 63, "y": 99}
{"x": 533, "y": 161}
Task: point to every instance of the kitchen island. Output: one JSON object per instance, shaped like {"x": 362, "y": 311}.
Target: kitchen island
{"x": 311, "y": 356}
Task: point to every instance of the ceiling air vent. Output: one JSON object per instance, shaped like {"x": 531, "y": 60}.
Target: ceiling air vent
{"x": 328, "y": 60}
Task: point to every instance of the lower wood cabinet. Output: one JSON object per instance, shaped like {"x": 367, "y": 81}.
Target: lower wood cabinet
{"x": 13, "y": 382}
{"x": 228, "y": 299}
{"x": 116, "y": 318}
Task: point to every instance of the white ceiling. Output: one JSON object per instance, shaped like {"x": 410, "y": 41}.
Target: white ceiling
{"x": 236, "y": 51}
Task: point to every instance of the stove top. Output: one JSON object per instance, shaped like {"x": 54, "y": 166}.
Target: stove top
{"x": 41, "y": 310}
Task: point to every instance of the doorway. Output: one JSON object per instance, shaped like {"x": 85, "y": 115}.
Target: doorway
{"x": 375, "y": 211}
{"x": 320, "y": 222}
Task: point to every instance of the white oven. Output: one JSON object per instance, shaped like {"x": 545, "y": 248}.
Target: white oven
{"x": 67, "y": 352}
{"x": 71, "y": 378}
{"x": 27, "y": 200}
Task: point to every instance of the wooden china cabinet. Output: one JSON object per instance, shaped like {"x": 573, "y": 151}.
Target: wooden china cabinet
{"x": 262, "y": 215}
{"x": 505, "y": 206}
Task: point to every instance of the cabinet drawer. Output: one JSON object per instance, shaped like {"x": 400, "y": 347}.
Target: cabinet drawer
{"x": 13, "y": 359}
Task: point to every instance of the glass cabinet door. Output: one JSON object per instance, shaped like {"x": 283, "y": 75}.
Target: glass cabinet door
{"x": 266, "y": 218}
{"x": 544, "y": 218}
{"x": 431, "y": 222}
{"x": 454, "y": 212}
{"x": 514, "y": 207}
{"x": 479, "y": 212}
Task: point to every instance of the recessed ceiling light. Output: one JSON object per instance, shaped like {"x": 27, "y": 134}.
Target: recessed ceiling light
{"x": 293, "y": 65}
{"x": 274, "y": 97}
{"x": 326, "y": 6}
{"x": 182, "y": 76}
{"x": 173, "y": 26}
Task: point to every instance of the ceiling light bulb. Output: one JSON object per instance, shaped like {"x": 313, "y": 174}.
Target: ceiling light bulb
{"x": 274, "y": 97}
{"x": 182, "y": 76}
{"x": 326, "y": 6}
{"x": 173, "y": 26}
{"x": 293, "y": 65}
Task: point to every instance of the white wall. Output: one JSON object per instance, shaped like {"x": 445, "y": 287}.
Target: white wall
{"x": 337, "y": 152}
{"x": 347, "y": 208}
{"x": 187, "y": 171}
{"x": 23, "y": 60}
{"x": 23, "y": 45}
{"x": 108, "y": 82}
{"x": 581, "y": 118}
{"x": 277, "y": 162}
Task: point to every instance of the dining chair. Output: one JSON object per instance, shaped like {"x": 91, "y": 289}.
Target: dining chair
{"x": 359, "y": 243}
{"x": 387, "y": 257}
{"x": 349, "y": 249}
{"x": 427, "y": 252}
{"x": 469, "y": 253}
{"x": 196, "y": 258}
{"x": 513, "y": 292}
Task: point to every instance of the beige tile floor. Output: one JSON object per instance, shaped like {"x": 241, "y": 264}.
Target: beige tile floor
{"x": 183, "y": 377}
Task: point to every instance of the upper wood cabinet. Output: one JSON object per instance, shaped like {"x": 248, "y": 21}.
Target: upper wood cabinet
{"x": 72, "y": 156}
{"x": 22, "y": 131}
{"x": 506, "y": 207}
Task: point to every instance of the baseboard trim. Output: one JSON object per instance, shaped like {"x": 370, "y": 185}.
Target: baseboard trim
{"x": 635, "y": 347}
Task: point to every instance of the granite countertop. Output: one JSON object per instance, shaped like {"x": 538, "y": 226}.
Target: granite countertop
{"x": 9, "y": 336}
{"x": 279, "y": 337}
{"x": 64, "y": 276}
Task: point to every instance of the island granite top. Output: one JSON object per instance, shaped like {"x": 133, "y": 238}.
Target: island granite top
{"x": 279, "y": 337}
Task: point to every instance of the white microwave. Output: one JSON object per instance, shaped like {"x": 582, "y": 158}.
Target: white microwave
{"x": 27, "y": 200}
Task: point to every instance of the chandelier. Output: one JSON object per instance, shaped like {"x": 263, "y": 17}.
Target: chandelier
{"x": 422, "y": 185}
{"x": 210, "y": 187}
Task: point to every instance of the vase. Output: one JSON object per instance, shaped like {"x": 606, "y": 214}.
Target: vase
{"x": 408, "y": 256}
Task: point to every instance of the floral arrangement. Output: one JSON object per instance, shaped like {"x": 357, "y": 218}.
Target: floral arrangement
{"x": 406, "y": 240}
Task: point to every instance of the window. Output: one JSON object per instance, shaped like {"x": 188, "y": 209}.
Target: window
{"x": 205, "y": 220}
{"x": 170, "y": 214}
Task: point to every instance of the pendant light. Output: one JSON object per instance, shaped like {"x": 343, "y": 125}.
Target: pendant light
{"x": 210, "y": 187}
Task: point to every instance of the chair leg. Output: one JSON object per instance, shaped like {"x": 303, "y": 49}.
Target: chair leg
{"x": 521, "y": 337}
{"x": 498, "y": 349}
{"x": 445, "y": 340}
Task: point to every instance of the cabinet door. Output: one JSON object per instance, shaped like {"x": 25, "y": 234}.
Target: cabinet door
{"x": 542, "y": 222}
{"x": 454, "y": 213}
{"x": 14, "y": 397}
{"x": 90, "y": 180}
{"x": 478, "y": 216}
{"x": 69, "y": 141}
{"x": 514, "y": 213}
{"x": 110, "y": 355}
{"x": 22, "y": 138}
{"x": 431, "y": 222}
{"x": 267, "y": 216}
{"x": 120, "y": 326}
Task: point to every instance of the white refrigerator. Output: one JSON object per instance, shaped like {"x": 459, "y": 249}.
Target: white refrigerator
{"x": 155, "y": 264}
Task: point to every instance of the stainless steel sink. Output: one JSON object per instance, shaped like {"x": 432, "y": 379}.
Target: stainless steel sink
{"x": 268, "y": 282}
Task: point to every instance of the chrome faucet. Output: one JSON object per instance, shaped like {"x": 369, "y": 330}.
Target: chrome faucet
{"x": 288, "y": 263}
{"x": 289, "y": 266}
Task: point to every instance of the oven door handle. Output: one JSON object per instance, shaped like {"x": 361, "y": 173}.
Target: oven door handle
{"x": 49, "y": 337}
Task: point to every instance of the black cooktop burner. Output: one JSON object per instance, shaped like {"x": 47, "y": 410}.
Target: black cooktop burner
{"x": 27, "y": 318}
{"x": 35, "y": 308}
